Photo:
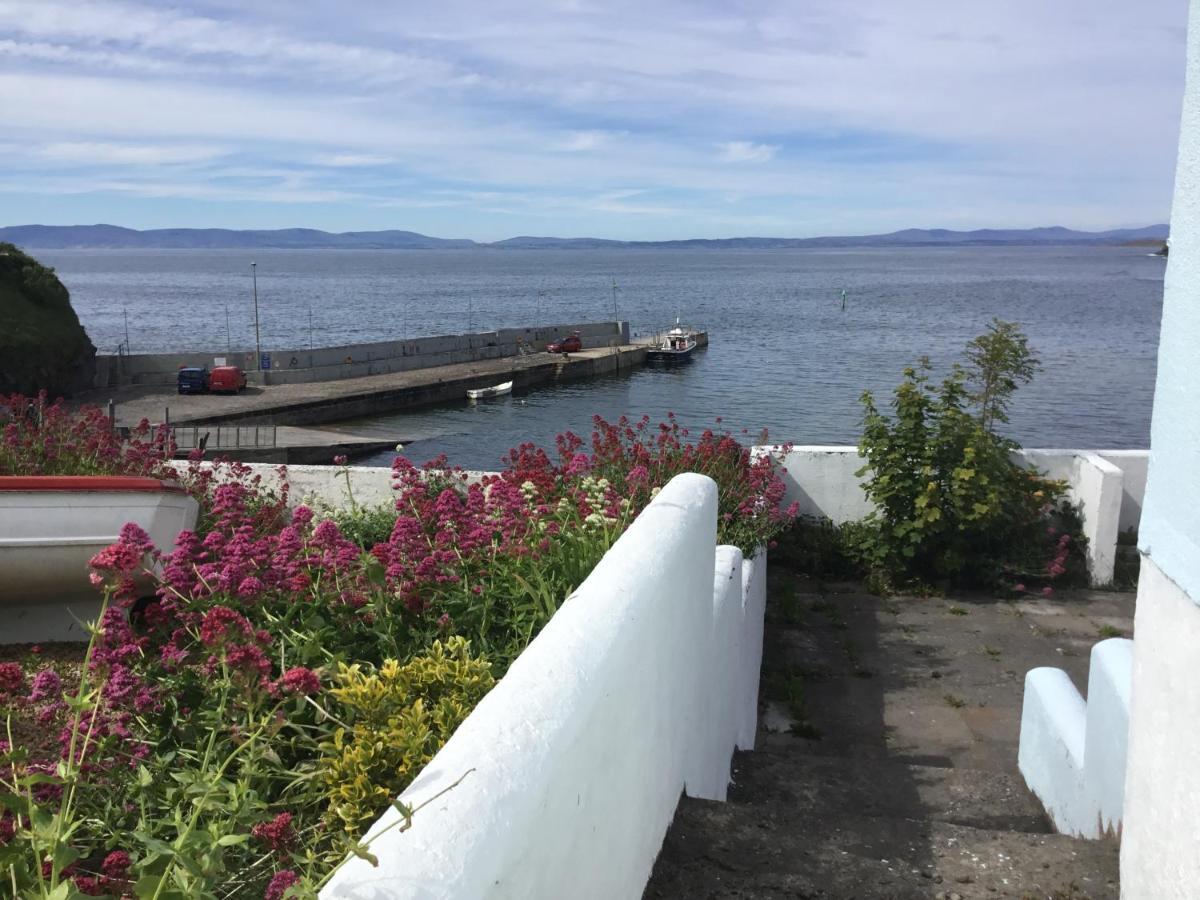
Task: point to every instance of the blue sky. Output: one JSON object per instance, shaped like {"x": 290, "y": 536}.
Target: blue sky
{"x": 610, "y": 119}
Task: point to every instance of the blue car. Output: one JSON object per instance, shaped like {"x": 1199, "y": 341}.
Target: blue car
{"x": 193, "y": 380}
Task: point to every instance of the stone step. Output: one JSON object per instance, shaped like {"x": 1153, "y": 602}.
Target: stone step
{"x": 726, "y": 850}
{"x": 880, "y": 787}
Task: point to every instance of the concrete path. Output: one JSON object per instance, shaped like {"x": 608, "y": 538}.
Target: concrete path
{"x": 886, "y": 756}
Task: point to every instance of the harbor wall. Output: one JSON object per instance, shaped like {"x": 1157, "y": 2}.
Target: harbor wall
{"x": 375, "y": 400}
{"x": 355, "y": 360}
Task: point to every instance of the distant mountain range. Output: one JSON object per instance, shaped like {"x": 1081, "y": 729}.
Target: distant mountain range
{"x": 57, "y": 237}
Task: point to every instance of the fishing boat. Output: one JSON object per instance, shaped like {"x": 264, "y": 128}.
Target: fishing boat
{"x": 496, "y": 390}
{"x": 676, "y": 346}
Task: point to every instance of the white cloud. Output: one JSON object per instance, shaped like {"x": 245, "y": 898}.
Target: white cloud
{"x": 746, "y": 151}
{"x": 917, "y": 110}
{"x": 582, "y": 141}
{"x": 100, "y": 153}
{"x": 351, "y": 160}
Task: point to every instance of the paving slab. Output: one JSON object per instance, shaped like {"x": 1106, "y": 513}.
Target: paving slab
{"x": 885, "y": 764}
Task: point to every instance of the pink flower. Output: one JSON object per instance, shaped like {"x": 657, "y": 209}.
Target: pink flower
{"x": 339, "y": 460}
{"x": 1047, "y": 591}
{"x": 222, "y": 623}
{"x": 579, "y": 464}
{"x": 12, "y": 678}
{"x": 1019, "y": 588}
{"x": 116, "y": 865}
{"x": 299, "y": 680}
{"x": 637, "y": 475}
{"x": 279, "y": 885}
{"x": 276, "y": 834}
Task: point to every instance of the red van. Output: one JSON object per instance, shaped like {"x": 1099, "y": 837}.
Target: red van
{"x": 571, "y": 344}
{"x": 226, "y": 379}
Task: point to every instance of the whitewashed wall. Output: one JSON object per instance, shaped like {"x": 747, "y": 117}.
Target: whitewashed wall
{"x": 822, "y": 480}
{"x": 326, "y": 485}
{"x": 1072, "y": 754}
{"x": 1134, "y": 465}
{"x": 578, "y": 757}
{"x": 1162, "y": 785}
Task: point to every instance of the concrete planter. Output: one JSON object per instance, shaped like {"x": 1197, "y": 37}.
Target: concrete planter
{"x": 50, "y": 526}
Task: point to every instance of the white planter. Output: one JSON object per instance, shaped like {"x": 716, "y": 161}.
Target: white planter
{"x": 50, "y": 526}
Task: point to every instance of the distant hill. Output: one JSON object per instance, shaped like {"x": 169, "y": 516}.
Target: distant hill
{"x": 57, "y": 237}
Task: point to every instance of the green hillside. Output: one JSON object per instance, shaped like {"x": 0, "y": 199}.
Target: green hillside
{"x": 42, "y": 344}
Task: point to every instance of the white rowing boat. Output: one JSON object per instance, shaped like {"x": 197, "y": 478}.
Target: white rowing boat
{"x": 50, "y": 526}
{"x": 493, "y": 391}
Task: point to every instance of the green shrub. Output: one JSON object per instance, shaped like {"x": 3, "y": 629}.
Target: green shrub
{"x": 393, "y": 722}
{"x": 818, "y": 548}
{"x": 365, "y": 525}
{"x": 951, "y": 504}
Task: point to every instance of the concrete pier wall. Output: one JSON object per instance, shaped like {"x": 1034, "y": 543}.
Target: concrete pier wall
{"x": 356, "y": 360}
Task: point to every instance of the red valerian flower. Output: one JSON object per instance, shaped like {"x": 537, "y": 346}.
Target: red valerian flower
{"x": 283, "y": 880}
{"x": 277, "y": 834}
{"x": 299, "y": 680}
{"x": 12, "y": 678}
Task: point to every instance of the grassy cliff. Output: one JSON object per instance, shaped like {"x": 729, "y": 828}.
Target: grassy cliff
{"x": 42, "y": 344}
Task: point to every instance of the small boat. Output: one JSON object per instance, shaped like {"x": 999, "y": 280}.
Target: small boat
{"x": 50, "y": 526}
{"x": 495, "y": 390}
{"x": 676, "y": 346}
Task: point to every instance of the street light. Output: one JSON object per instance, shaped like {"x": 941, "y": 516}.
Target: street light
{"x": 257, "y": 338}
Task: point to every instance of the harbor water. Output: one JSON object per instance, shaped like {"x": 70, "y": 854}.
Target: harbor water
{"x": 784, "y": 354}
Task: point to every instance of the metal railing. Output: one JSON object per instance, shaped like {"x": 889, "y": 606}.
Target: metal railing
{"x": 224, "y": 437}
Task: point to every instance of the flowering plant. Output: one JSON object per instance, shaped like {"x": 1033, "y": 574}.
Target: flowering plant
{"x": 228, "y": 736}
{"x": 43, "y": 438}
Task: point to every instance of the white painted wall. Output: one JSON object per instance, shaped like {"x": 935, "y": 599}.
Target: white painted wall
{"x": 823, "y": 480}
{"x": 754, "y": 607}
{"x": 1134, "y": 465}
{"x": 1072, "y": 754}
{"x": 1096, "y": 488}
{"x": 1162, "y": 788}
{"x": 578, "y": 756}
{"x": 1159, "y": 859}
{"x": 1162, "y": 785}
{"x": 326, "y": 485}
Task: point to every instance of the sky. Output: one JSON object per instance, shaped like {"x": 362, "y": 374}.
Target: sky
{"x": 630, "y": 120}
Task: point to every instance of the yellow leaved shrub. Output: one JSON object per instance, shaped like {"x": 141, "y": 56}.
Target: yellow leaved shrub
{"x": 396, "y": 718}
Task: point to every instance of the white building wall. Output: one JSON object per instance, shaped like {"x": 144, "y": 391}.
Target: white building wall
{"x": 577, "y": 758}
{"x": 1159, "y": 858}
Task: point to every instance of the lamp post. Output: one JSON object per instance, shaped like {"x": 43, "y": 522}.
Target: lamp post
{"x": 257, "y": 337}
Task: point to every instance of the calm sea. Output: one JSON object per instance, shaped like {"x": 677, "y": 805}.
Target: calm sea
{"x": 784, "y": 355}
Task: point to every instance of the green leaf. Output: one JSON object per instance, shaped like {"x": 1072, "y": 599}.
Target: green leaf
{"x": 229, "y": 840}
{"x": 360, "y": 850}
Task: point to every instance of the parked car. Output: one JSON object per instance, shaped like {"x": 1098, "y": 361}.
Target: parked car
{"x": 227, "y": 379}
{"x": 193, "y": 380}
{"x": 569, "y": 344}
